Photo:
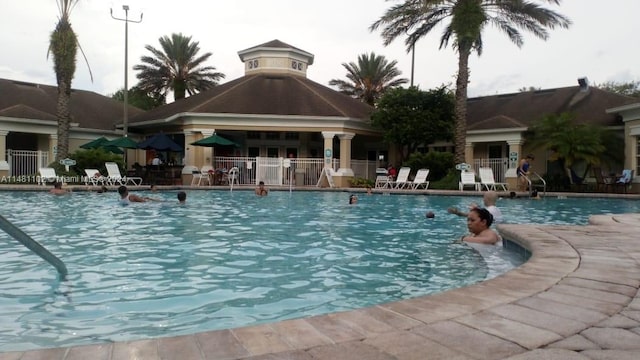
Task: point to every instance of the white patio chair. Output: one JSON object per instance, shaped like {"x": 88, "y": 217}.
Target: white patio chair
{"x": 94, "y": 177}
{"x": 468, "y": 178}
{"x": 382, "y": 182}
{"x": 200, "y": 175}
{"x": 115, "y": 178}
{"x": 402, "y": 180}
{"x": 487, "y": 180}
{"x": 420, "y": 180}
{"x": 47, "y": 174}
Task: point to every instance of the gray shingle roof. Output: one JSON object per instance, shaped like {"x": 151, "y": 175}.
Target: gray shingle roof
{"x": 91, "y": 110}
{"x": 266, "y": 94}
{"x": 524, "y": 108}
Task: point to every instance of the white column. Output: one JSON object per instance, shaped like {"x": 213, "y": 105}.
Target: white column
{"x": 3, "y": 144}
{"x": 328, "y": 148}
{"x": 345, "y": 153}
{"x": 207, "y": 152}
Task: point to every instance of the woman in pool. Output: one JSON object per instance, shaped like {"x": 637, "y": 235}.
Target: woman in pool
{"x": 478, "y": 222}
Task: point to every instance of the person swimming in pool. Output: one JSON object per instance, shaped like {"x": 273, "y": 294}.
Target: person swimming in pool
{"x": 261, "y": 190}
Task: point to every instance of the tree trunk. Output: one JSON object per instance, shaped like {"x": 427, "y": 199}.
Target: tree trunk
{"x": 460, "y": 135}
{"x": 64, "y": 118}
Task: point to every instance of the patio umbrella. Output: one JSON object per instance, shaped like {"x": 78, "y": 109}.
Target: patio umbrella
{"x": 160, "y": 142}
{"x": 215, "y": 141}
{"x": 94, "y": 144}
{"x": 101, "y": 143}
{"x": 123, "y": 142}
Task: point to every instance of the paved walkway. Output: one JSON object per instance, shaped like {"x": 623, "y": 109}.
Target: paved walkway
{"x": 576, "y": 298}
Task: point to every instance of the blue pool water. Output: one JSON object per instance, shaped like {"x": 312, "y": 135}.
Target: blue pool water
{"x": 232, "y": 259}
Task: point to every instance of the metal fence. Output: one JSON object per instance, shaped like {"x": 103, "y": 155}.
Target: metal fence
{"x": 26, "y": 162}
{"x": 301, "y": 172}
{"x": 498, "y": 166}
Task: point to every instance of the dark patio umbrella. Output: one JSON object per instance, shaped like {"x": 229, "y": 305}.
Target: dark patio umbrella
{"x": 94, "y": 144}
{"x": 214, "y": 141}
{"x": 123, "y": 142}
{"x": 101, "y": 143}
{"x": 160, "y": 142}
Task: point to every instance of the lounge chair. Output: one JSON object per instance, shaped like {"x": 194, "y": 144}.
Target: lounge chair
{"x": 420, "y": 180}
{"x": 402, "y": 180}
{"x": 382, "y": 182}
{"x": 95, "y": 178}
{"x": 115, "y": 177}
{"x": 468, "y": 178}
{"x": 487, "y": 180}
{"x": 47, "y": 175}
{"x": 602, "y": 183}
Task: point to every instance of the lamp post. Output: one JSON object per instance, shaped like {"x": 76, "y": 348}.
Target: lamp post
{"x": 413, "y": 59}
{"x": 126, "y": 20}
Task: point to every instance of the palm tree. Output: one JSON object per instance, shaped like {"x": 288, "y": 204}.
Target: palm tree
{"x": 467, "y": 20}
{"x": 63, "y": 44}
{"x": 177, "y": 67}
{"x": 369, "y": 78}
{"x": 571, "y": 143}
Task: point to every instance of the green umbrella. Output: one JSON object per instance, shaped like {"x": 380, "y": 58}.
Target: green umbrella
{"x": 214, "y": 141}
{"x": 101, "y": 143}
{"x": 122, "y": 142}
{"x": 94, "y": 144}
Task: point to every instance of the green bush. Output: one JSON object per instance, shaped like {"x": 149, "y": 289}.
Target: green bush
{"x": 361, "y": 183}
{"x": 438, "y": 163}
{"x": 94, "y": 159}
{"x": 448, "y": 182}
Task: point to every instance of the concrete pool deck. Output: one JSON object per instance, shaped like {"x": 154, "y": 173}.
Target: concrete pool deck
{"x": 576, "y": 298}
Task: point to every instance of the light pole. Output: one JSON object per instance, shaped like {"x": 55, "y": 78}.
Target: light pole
{"x": 413, "y": 59}
{"x": 126, "y": 20}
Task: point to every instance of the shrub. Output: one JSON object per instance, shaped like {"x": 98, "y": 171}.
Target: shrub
{"x": 94, "y": 159}
{"x": 438, "y": 163}
{"x": 361, "y": 183}
{"x": 448, "y": 182}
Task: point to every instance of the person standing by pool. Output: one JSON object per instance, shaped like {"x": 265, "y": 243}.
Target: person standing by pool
{"x": 489, "y": 199}
{"x": 478, "y": 222}
{"x": 261, "y": 190}
{"x": 523, "y": 172}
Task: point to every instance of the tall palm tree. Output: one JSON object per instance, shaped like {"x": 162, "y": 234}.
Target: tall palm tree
{"x": 466, "y": 21}
{"x": 369, "y": 78}
{"x": 63, "y": 45}
{"x": 176, "y": 67}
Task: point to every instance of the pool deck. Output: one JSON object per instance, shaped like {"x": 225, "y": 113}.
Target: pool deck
{"x": 576, "y": 298}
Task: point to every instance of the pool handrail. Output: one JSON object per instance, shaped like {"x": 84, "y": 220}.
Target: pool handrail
{"x": 33, "y": 245}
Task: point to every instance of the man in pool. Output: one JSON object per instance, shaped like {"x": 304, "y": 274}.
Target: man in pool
{"x": 261, "y": 190}
{"x": 57, "y": 189}
{"x": 126, "y": 198}
{"x": 478, "y": 222}
{"x": 489, "y": 199}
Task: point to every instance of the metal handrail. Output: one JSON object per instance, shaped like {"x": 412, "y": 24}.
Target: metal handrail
{"x": 538, "y": 177}
{"x": 33, "y": 245}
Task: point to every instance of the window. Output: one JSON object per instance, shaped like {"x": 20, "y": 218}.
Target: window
{"x": 273, "y": 135}
{"x": 291, "y": 136}
{"x": 253, "y": 151}
{"x": 253, "y": 135}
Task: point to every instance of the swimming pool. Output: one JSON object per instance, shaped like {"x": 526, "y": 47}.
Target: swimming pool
{"x": 232, "y": 259}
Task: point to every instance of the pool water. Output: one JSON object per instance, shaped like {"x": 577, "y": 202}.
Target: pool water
{"x": 229, "y": 259}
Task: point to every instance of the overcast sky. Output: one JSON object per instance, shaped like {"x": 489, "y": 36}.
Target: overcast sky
{"x": 601, "y": 44}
